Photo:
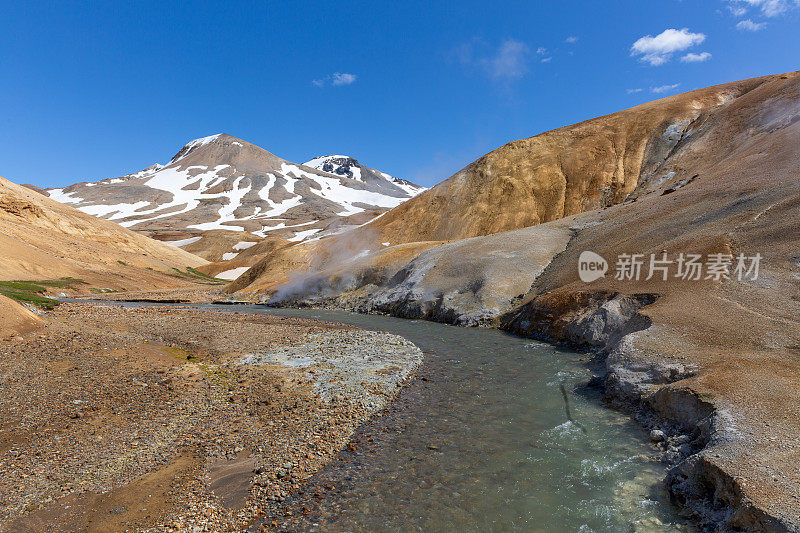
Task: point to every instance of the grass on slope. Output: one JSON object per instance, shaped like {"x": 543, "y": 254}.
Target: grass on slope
{"x": 31, "y": 297}
{"x": 40, "y": 286}
{"x": 31, "y": 291}
{"x": 198, "y": 277}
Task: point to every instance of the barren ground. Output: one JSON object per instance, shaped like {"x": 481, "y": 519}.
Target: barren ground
{"x": 128, "y": 419}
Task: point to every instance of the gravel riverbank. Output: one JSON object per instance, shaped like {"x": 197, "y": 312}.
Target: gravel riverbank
{"x": 169, "y": 419}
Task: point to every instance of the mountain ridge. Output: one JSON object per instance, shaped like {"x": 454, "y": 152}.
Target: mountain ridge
{"x": 565, "y": 171}
{"x": 223, "y": 182}
{"x": 344, "y": 165}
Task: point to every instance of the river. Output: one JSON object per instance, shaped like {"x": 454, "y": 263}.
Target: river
{"x": 481, "y": 442}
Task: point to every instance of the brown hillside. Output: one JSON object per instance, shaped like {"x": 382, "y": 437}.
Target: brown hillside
{"x": 562, "y": 172}
{"x": 571, "y": 170}
{"x": 43, "y": 239}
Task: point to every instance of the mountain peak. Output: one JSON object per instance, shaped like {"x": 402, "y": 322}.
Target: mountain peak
{"x": 223, "y": 182}
{"x": 341, "y": 165}
{"x": 202, "y": 141}
{"x": 344, "y": 165}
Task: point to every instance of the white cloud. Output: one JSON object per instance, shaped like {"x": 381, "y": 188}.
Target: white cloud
{"x": 509, "y": 62}
{"x": 696, "y": 58}
{"x": 571, "y": 39}
{"x": 664, "y": 88}
{"x": 737, "y": 11}
{"x": 770, "y": 8}
{"x": 335, "y": 79}
{"x": 541, "y": 50}
{"x": 343, "y": 78}
{"x": 659, "y": 49}
{"x": 547, "y": 59}
{"x": 749, "y": 25}
{"x": 634, "y": 91}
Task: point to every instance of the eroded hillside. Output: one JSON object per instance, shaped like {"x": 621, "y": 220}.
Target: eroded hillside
{"x": 41, "y": 239}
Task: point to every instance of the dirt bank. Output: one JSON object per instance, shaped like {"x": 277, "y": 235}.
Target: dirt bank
{"x": 16, "y": 320}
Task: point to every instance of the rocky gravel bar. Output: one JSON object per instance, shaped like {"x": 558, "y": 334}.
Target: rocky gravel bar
{"x": 176, "y": 419}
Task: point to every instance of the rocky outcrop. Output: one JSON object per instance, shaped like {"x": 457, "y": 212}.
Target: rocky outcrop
{"x": 342, "y": 165}
{"x": 20, "y": 208}
{"x": 586, "y": 319}
{"x": 470, "y": 282}
{"x": 714, "y": 497}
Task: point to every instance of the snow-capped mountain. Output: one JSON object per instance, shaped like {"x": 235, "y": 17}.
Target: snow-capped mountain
{"x": 146, "y": 173}
{"x": 221, "y": 182}
{"x": 343, "y": 165}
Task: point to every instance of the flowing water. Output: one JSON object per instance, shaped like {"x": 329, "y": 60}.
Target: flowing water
{"x": 480, "y": 441}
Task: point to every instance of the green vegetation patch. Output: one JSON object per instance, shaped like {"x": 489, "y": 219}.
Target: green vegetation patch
{"x": 179, "y": 354}
{"x": 31, "y": 298}
{"x": 62, "y": 282}
{"x": 198, "y": 277}
{"x": 31, "y": 291}
{"x": 198, "y": 273}
{"x": 21, "y": 286}
{"x": 40, "y": 286}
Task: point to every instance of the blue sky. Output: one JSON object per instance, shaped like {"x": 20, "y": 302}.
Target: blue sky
{"x": 91, "y": 90}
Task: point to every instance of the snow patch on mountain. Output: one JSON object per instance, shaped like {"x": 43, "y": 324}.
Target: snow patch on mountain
{"x": 337, "y": 192}
{"x": 175, "y": 182}
{"x": 191, "y": 145}
{"x": 226, "y": 213}
{"x": 149, "y": 171}
{"x": 344, "y": 165}
{"x": 183, "y": 242}
{"x": 281, "y": 225}
{"x": 115, "y": 211}
{"x": 232, "y": 274}
{"x": 303, "y": 235}
{"x": 252, "y": 191}
{"x": 65, "y": 198}
{"x": 319, "y": 162}
{"x": 341, "y": 165}
{"x": 277, "y": 208}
